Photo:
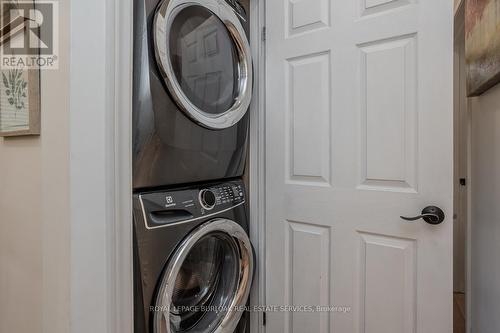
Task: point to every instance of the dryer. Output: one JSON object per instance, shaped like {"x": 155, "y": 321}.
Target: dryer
{"x": 192, "y": 90}
{"x": 193, "y": 261}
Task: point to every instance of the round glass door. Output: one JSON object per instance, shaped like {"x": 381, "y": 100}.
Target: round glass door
{"x": 206, "y": 280}
{"x": 205, "y": 60}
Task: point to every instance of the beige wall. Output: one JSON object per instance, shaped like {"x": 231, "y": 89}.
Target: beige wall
{"x": 34, "y": 212}
{"x": 20, "y": 235}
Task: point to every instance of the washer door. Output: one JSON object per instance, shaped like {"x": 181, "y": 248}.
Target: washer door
{"x": 206, "y": 281}
{"x": 205, "y": 60}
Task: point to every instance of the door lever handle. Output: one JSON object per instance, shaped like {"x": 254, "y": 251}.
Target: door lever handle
{"x": 431, "y": 214}
{"x": 423, "y": 216}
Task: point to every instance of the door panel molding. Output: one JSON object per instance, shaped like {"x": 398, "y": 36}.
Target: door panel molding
{"x": 369, "y": 7}
{"x": 389, "y": 104}
{"x": 308, "y": 85}
{"x": 306, "y": 16}
{"x": 387, "y": 263}
{"x": 307, "y": 262}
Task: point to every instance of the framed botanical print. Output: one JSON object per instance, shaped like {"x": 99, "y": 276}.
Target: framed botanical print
{"x": 19, "y": 86}
{"x": 19, "y": 102}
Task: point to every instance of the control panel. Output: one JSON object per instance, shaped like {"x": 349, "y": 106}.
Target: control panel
{"x": 227, "y": 194}
{"x": 176, "y": 206}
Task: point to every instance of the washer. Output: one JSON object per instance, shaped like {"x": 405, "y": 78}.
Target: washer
{"x": 192, "y": 90}
{"x": 193, "y": 261}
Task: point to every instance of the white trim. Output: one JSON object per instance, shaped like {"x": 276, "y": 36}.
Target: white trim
{"x": 100, "y": 166}
{"x": 257, "y": 161}
{"x": 468, "y": 241}
{"x": 122, "y": 275}
{"x": 89, "y": 164}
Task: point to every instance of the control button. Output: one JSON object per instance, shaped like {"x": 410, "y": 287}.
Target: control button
{"x": 207, "y": 199}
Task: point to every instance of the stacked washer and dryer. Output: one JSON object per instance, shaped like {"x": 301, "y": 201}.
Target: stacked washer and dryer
{"x": 193, "y": 261}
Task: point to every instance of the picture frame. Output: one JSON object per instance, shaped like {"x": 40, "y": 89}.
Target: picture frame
{"x": 20, "y": 103}
{"x": 22, "y": 117}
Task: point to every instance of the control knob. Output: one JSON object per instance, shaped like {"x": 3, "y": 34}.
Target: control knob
{"x": 207, "y": 199}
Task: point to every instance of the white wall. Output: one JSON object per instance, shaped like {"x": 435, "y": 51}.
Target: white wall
{"x": 486, "y": 212}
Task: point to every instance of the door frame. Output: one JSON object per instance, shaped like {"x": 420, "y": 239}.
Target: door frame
{"x": 257, "y": 162}
{"x": 459, "y": 17}
{"x": 101, "y": 167}
{"x": 122, "y": 235}
{"x": 101, "y": 278}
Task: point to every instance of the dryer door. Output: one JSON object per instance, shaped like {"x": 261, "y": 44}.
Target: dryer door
{"x": 204, "y": 58}
{"x": 206, "y": 282}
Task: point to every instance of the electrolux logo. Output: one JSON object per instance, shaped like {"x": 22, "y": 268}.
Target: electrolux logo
{"x": 29, "y": 34}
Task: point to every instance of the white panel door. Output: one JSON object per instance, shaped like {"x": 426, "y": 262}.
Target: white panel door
{"x": 359, "y": 131}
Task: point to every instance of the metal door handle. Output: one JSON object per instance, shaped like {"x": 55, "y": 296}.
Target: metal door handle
{"x": 431, "y": 214}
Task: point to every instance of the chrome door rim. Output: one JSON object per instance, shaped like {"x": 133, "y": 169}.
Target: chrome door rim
{"x": 165, "y": 14}
{"x": 232, "y": 317}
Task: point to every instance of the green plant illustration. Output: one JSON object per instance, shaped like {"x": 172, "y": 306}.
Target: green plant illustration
{"x": 15, "y": 88}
